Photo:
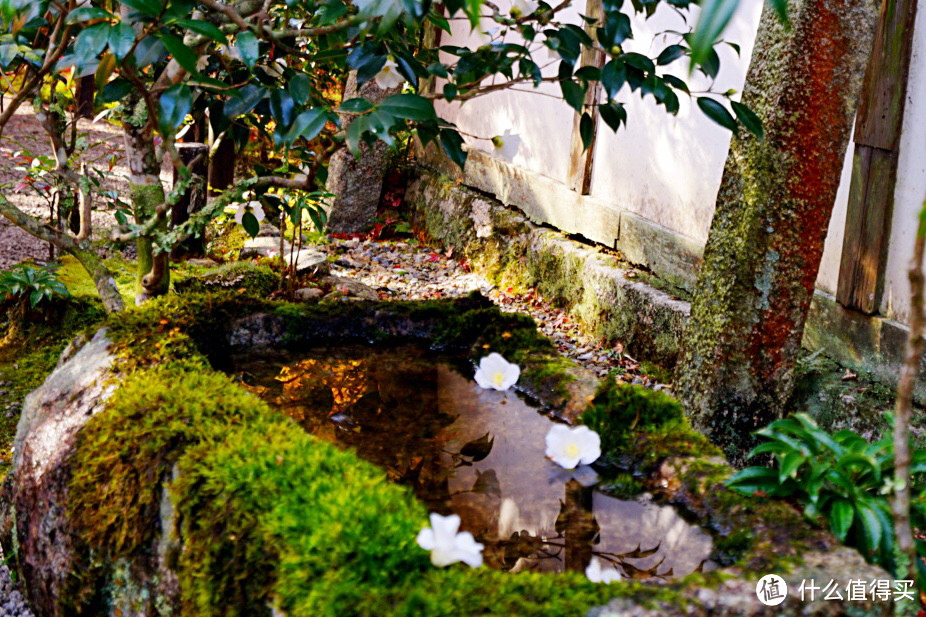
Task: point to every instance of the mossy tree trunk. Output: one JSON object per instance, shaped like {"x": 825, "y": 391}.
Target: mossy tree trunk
{"x": 766, "y": 239}
{"x": 146, "y": 193}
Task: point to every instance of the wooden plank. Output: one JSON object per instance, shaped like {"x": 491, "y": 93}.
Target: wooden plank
{"x": 880, "y": 110}
{"x": 868, "y": 228}
{"x": 878, "y": 124}
{"x": 579, "y": 176}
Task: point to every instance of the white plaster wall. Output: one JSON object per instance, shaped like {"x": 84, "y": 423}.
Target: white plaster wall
{"x": 828, "y": 276}
{"x": 664, "y": 168}
{"x": 536, "y": 125}
{"x": 911, "y": 181}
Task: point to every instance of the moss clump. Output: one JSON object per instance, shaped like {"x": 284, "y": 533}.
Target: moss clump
{"x": 618, "y": 410}
{"x": 122, "y": 456}
{"x": 240, "y": 275}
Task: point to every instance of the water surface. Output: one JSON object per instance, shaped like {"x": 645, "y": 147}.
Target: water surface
{"x": 475, "y": 452}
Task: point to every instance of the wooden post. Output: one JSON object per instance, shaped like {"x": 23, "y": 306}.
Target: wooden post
{"x": 579, "y": 176}
{"x": 874, "y": 168}
{"x": 195, "y": 156}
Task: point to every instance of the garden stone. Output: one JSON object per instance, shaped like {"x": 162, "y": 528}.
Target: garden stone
{"x": 306, "y": 260}
{"x": 350, "y": 287}
{"x": 34, "y": 496}
{"x": 357, "y": 183}
{"x": 263, "y": 246}
{"x": 308, "y": 293}
{"x": 267, "y": 230}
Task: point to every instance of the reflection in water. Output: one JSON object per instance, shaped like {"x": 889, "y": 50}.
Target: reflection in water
{"x": 475, "y": 452}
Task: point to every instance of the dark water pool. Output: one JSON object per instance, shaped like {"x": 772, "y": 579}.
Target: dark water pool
{"x": 474, "y": 452}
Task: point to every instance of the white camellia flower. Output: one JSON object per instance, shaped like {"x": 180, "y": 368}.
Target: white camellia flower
{"x": 446, "y": 545}
{"x": 506, "y": 146}
{"x": 389, "y": 76}
{"x": 567, "y": 447}
{"x": 597, "y": 574}
{"x": 253, "y": 206}
{"x": 523, "y": 8}
{"x": 496, "y": 372}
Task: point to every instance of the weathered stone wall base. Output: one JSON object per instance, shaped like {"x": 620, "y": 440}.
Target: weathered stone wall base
{"x": 513, "y": 252}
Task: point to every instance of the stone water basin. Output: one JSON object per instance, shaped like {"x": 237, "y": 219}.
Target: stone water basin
{"x": 479, "y": 453}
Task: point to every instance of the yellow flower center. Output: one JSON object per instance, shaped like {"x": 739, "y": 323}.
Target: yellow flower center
{"x": 498, "y": 378}
{"x": 572, "y": 450}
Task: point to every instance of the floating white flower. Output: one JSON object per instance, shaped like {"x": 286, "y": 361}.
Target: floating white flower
{"x": 597, "y": 574}
{"x": 496, "y": 372}
{"x": 446, "y": 545}
{"x": 253, "y": 207}
{"x": 389, "y": 76}
{"x": 567, "y": 447}
{"x": 506, "y": 146}
{"x": 523, "y": 8}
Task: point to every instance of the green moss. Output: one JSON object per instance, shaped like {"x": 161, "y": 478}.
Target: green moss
{"x": 254, "y": 279}
{"x": 80, "y": 285}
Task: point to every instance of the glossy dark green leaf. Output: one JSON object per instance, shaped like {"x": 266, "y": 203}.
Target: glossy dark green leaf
{"x": 452, "y": 144}
{"x": 790, "y": 464}
{"x": 574, "y": 94}
{"x": 670, "y": 54}
{"x": 613, "y": 115}
{"x": 300, "y": 88}
{"x": 250, "y": 223}
{"x": 86, "y": 13}
{"x": 870, "y": 526}
{"x": 308, "y": 124}
{"x": 204, "y": 28}
{"x": 247, "y": 99}
{"x": 151, "y": 8}
{"x": 149, "y": 51}
{"x": 282, "y": 107}
{"x": 841, "y": 515}
{"x": 749, "y": 119}
{"x": 450, "y": 92}
{"x": 409, "y": 107}
{"x": 175, "y": 103}
{"x": 354, "y": 132}
{"x": 754, "y": 479}
{"x": 114, "y": 91}
{"x": 718, "y": 113}
{"x": 91, "y": 41}
{"x": 247, "y": 45}
{"x": 121, "y": 39}
{"x": 181, "y": 53}
{"x": 613, "y": 76}
{"x": 356, "y": 105}
{"x": 586, "y": 130}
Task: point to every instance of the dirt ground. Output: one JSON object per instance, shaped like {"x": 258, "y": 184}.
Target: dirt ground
{"x": 22, "y": 140}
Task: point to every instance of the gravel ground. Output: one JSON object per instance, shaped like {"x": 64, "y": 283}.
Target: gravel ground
{"x": 402, "y": 270}
{"x": 11, "y": 600}
{"x": 23, "y": 138}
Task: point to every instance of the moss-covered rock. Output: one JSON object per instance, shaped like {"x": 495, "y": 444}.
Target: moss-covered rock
{"x": 182, "y": 494}
{"x": 237, "y": 275}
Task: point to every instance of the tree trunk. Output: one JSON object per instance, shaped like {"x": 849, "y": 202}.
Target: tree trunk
{"x": 905, "y": 545}
{"x": 146, "y": 193}
{"x": 773, "y": 209}
{"x": 83, "y": 96}
{"x": 195, "y": 156}
{"x": 222, "y": 166}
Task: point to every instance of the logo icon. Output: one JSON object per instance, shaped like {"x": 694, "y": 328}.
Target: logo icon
{"x": 771, "y": 590}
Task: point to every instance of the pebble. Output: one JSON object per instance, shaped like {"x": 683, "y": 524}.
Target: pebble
{"x": 12, "y": 603}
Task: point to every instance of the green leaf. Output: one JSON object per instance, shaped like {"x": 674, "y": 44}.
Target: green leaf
{"x": 714, "y": 17}
{"x": 670, "y": 54}
{"x": 300, "y": 88}
{"x": 450, "y": 92}
{"x": 749, "y": 119}
{"x": 244, "y": 101}
{"x": 574, "y": 94}
{"x": 204, "y": 28}
{"x": 409, "y": 107}
{"x": 308, "y": 125}
{"x": 35, "y": 297}
{"x": 871, "y": 527}
{"x": 452, "y": 144}
{"x": 613, "y": 76}
{"x": 250, "y": 223}
{"x": 151, "y": 8}
{"x": 181, "y": 53}
{"x": 247, "y": 45}
{"x": 719, "y": 114}
{"x": 121, "y": 39}
{"x": 91, "y": 41}
{"x": 114, "y": 91}
{"x": 86, "y": 13}
{"x": 586, "y": 130}
{"x": 613, "y": 115}
{"x": 175, "y": 103}
{"x": 754, "y": 479}
{"x": 356, "y": 105}
{"x": 355, "y": 131}
{"x": 781, "y": 8}
{"x": 789, "y": 465}
{"x": 282, "y": 106}
{"x": 148, "y": 51}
